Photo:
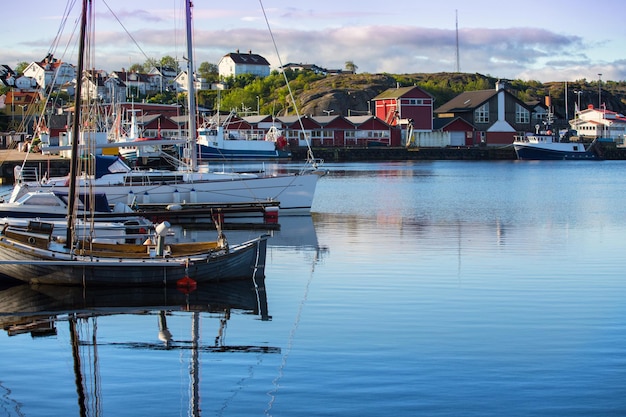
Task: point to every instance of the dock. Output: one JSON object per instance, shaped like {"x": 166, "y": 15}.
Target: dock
{"x": 55, "y": 165}
{"x": 193, "y": 214}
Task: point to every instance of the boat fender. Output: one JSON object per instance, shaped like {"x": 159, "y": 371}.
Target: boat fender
{"x": 173, "y": 207}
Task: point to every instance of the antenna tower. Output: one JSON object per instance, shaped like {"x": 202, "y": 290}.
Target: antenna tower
{"x": 458, "y": 59}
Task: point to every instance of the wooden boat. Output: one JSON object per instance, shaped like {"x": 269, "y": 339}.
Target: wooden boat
{"x": 33, "y": 254}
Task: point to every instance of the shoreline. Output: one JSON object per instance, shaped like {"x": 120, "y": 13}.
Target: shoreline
{"x": 59, "y": 166}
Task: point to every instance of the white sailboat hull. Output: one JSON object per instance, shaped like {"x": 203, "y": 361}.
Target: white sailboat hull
{"x": 294, "y": 192}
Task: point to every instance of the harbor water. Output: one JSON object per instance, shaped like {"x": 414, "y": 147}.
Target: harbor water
{"x": 421, "y": 288}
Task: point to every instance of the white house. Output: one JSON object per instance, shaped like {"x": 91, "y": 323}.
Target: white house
{"x": 93, "y": 85}
{"x": 594, "y": 123}
{"x": 181, "y": 80}
{"x": 161, "y": 78}
{"x": 50, "y": 72}
{"x": 115, "y": 90}
{"x": 136, "y": 83}
{"x": 235, "y": 63}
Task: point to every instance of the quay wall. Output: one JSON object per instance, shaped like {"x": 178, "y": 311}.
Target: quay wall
{"x": 607, "y": 151}
{"x": 59, "y": 166}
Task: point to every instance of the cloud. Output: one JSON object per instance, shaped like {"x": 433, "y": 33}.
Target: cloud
{"x": 518, "y": 52}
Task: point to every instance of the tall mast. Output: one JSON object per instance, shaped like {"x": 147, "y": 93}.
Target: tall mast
{"x": 191, "y": 95}
{"x": 76, "y": 128}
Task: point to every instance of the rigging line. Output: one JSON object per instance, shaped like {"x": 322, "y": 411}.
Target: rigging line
{"x": 125, "y": 30}
{"x": 292, "y": 334}
{"x": 280, "y": 62}
{"x": 57, "y": 38}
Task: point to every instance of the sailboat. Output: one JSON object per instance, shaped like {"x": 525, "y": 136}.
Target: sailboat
{"x": 36, "y": 255}
{"x": 189, "y": 184}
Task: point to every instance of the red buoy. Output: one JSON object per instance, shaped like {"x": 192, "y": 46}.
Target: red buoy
{"x": 186, "y": 285}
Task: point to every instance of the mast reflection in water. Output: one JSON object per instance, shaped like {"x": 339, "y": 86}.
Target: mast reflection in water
{"x": 39, "y": 310}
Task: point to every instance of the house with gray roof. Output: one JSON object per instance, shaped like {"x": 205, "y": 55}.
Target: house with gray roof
{"x": 497, "y": 115}
{"x": 236, "y": 63}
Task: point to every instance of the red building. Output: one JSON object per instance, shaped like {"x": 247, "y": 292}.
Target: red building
{"x": 398, "y": 105}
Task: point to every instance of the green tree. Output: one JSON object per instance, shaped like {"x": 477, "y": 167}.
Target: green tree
{"x": 21, "y": 66}
{"x": 169, "y": 62}
{"x": 351, "y": 67}
{"x": 208, "y": 71}
{"x": 138, "y": 68}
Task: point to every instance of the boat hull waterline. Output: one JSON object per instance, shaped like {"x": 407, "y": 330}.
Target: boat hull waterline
{"x": 552, "y": 151}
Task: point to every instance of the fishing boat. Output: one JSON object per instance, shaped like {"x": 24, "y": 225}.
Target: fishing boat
{"x": 215, "y": 143}
{"x": 293, "y": 190}
{"x": 544, "y": 144}
{"x": 34, "y": 254}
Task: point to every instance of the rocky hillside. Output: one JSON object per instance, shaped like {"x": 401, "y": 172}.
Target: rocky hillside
{"x": 351, "y": 94}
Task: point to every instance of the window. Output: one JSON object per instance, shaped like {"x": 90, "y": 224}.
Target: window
{"x": 481, "y": 114}
{"x": 522, "y": 115}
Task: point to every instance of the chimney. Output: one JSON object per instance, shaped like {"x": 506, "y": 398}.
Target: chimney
{"x": 501, "y": 125}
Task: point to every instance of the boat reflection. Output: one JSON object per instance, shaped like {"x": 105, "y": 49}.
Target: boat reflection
{"x": 23, "y": 306}
{"x": 38, "y": 310}
{"x": 291, "y": 232}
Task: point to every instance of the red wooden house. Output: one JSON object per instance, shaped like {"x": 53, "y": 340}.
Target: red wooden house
{"x": 396, "y": 105}
{"x": 332, "y": 130}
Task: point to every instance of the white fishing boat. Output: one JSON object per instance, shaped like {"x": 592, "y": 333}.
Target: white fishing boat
{"x": 36, "y": 255}
{"x": 215, "y": 143}
{"x": 544, "y": 144}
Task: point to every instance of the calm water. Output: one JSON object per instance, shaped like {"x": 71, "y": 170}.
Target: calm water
{"x": 414, "y": 289}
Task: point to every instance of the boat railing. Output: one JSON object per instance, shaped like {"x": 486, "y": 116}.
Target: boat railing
{"x": 24, "y": 174}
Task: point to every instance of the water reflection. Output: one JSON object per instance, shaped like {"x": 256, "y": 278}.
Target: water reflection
{"x": 39, "y": 311}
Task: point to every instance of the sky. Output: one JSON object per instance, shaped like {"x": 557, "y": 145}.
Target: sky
{"x": 548, "y": 40}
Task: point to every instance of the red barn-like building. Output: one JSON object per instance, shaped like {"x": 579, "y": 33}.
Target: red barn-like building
{"x": 406, "y": 103}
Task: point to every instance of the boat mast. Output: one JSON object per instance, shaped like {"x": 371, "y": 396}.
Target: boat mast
{"x": 76, "y": 128}
{"x": 191, "y": 95}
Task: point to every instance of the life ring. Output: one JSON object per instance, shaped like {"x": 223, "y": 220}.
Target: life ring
{"x": 281, "y": 142}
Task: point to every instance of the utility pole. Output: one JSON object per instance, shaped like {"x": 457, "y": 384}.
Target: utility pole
{"x": 599, "y": 91}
